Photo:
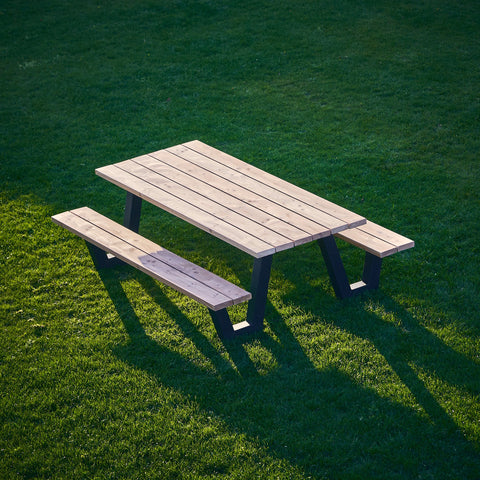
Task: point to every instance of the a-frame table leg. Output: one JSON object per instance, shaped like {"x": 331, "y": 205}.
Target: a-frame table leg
{"x": 335, "y": 267}
{"x": 343, "y": 289}
{"x": 371, "y": 271}
{"x": 223, "y": 324}
{"x": 256, "y": 305}
{"x": 259, "y": 289}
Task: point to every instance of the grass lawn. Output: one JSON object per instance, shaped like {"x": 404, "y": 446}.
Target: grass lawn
{"x": 374, "y": 105}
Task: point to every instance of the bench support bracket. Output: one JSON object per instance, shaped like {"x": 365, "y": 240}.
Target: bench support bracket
{"x": 225, "y": 329}
{"x": 338, "y": 276}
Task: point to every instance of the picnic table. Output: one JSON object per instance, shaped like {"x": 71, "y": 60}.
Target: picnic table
{"x": 240, "y": 204}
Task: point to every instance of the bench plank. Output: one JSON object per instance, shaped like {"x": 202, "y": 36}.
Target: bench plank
{"x": 203, "y": 286}
{"x": 401, "y": 242}
{"x": 376, "y": 239}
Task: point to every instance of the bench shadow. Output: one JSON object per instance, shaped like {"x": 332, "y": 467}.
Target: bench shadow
{"x": 319, "y": 420}
{"x": 133, "y": 325}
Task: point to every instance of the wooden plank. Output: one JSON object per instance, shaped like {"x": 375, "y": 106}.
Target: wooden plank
{"x": 206, "y": 204}
{"x": 367, "y": 242}
{"x": 350, "y": 218}
{"x": 190, "y": 279}
{"x": 162, "y": 254}
{"x": 203, "y": 220}
{"x": 170, "y": 166}
{"x": 116, "y": 229}
{"x": 315, "y": 230}
{"x": 142, "y": 261}
{"x": 94, "y": 234}
{"x": 235, "y": 176}
{"x": 269, "y": 209}
{"x": 229, "y": 289}
{"x": 401, "y": 242}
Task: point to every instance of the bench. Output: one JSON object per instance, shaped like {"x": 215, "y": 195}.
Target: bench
{"x": 378, "y": 243}
{"x": 104, "y": 236}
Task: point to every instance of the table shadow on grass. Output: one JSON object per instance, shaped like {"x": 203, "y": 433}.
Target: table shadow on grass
{"x": 408, "y": 348}
{"x": 318, "y": 420}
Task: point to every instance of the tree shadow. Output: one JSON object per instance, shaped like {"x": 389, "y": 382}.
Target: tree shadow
{"x": 317, "y": 419}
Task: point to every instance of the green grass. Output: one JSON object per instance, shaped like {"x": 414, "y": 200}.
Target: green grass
{"x": 373, "y": 105}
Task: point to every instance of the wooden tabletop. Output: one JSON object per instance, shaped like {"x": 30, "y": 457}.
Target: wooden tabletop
{"x": 243, "y": 205}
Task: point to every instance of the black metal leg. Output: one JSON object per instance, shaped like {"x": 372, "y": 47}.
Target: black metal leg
{"x": 371, "y": 271}
{"x": 222, "y": 323}
{"x": 338, "y": 276}
{"x": 335, "y": 267}
{"x": 133, "y": 206}
{"x": 256, "y": 306}
{"x": 259, "y": 288}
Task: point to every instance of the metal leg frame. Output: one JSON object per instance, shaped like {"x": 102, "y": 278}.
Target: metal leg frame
{"x": 338, "y": 276}
{"x": 259, "y": 288}
{"x": 256, "y": 306}
{"x": 222, "y": 323}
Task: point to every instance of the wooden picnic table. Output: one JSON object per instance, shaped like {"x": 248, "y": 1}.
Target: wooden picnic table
{"x": 243, "y": 205}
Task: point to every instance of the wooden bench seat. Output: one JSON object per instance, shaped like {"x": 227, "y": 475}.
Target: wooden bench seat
{"x": 107, "y": 236}
{"x": 377, "y": 241}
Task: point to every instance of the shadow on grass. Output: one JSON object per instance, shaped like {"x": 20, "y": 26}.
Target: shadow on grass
{"x": 318, "y": 420}
{"x": 397, "y": 335}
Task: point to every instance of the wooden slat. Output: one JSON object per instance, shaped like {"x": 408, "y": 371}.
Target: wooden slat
{"x": 204, "y": 203}
{"x": 367, "y": 242}
{"x": 401, "y": 242}
{"x": 172, "y": 270}
{"x": 269, "y": 208}
{"x": 350, "y": 218}
{"x": 170, "y": 166}
{"x": 141, "y": 260}
{"x": 186, "y": 211}
{"x": 206, "y": 277}
{"x": 376, "y": 239}
{"x": 319, "y": 217}
{"x": 118, "y": 230}
{"x": 237, "y": 202}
